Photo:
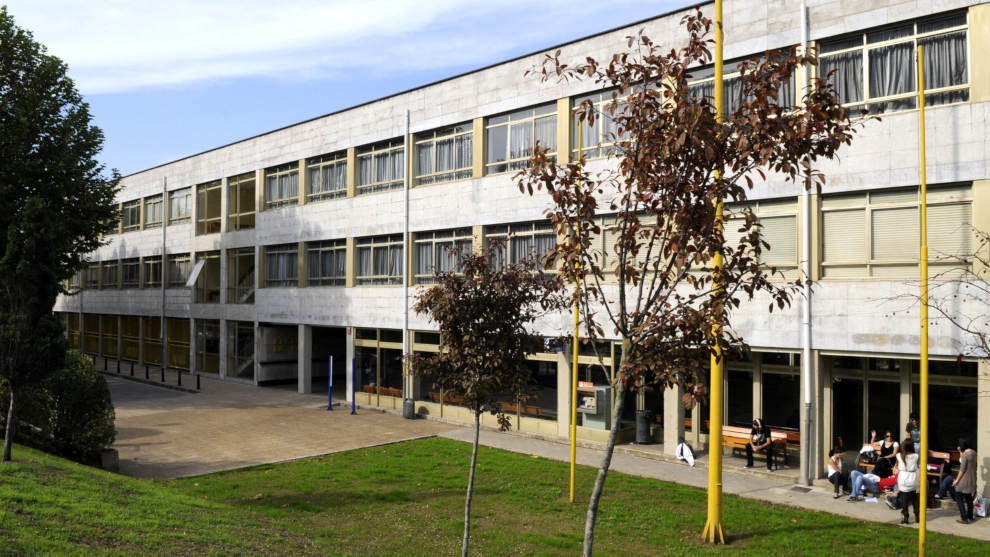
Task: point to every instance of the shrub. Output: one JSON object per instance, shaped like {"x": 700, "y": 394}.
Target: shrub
{"x": 70, "y": 414}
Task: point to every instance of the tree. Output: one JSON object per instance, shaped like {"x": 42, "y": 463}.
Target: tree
{"x": 660, "y": 235}
{"x": 484, "y": 311}
{"x": 56, "y": 202}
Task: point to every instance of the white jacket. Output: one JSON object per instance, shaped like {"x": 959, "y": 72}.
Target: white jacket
{"x": 907, "y": 478}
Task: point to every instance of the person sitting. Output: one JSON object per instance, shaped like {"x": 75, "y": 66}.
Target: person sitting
{"x": 836, "y": 475}
{"x": 863, "y": 482}
{"x": 759, "y": 440}
{"x": 888, "y": 455}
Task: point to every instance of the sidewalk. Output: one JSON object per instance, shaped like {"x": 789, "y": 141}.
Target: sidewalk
{"x": 736, "y": 480}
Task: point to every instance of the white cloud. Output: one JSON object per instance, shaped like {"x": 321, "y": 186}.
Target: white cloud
{"x": 119, "y": 45}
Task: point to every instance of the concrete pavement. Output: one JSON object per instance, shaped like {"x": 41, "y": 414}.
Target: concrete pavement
{"x": 167, "y": 433}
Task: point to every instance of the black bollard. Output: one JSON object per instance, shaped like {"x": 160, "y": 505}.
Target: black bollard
{"x": 104, "y": 364}
{"x": 146, "y": 371}
{"x": 179, "y": 375}
{"x": 163, "y": 374}
{"x": 132, "y": 369}
{"x": 197, "y": 381}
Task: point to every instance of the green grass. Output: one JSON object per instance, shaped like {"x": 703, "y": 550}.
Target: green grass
{"x": 402, "y": 499}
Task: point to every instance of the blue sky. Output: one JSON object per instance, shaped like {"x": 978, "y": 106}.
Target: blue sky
{"x": 169, "y": 79}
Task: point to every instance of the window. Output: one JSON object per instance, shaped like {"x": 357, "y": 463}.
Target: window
{"x": 240, "y": 276}
{"x": 130, "y": 273}
{"x": 702, "y": 84}
{"x": 179, "y": 205}
{"x": 179, "y": 266}
{"x": 208, "y": 281}
{"x": 433, "y": 252}
{"x": 152, "y": 272}
{"x": 598, "y": 139}
{"x": 778, "y": 227}
{"x": 326, "y": 263}
{"x": 381, "y": 167}
{"x": 282, "y": 185}
{"x": 93, "y": 276}
{"x": 281, "y": 265}
{"x": 110, "y": 276}
{"x": 207, "y": 346}
{"x": 444, "y": 155}
{"x": 208, "y": 207}
{"x": 522, "y": 241}
{"x": 876, "y": 70}
{"x": 76, "y": 281}
{"x": 511, "y": 137}
{"x": 153, "y": 211}
{"x": 878, "y": 233}
{"x": 327, "y": 176}
{"x": 379, "y": 260}
{"x": 130, "y": 215}
{"x": 240, "y": 201}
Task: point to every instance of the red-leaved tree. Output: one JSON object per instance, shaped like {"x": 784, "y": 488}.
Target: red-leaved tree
{"x": 641, "y": 237}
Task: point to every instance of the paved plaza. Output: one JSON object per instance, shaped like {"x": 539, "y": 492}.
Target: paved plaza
{"x": 168, "y": 433}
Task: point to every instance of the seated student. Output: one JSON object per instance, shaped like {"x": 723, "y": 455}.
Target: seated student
{"x": 836, "y": 475}
{"x": 889, "y": 448}
{"x": 863, "y": 482}
{"x": 759, "y": 439}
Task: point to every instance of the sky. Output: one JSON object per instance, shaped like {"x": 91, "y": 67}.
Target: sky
{"x": 165, "y": 80}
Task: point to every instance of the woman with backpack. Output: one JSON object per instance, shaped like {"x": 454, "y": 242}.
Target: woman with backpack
{"x": 907, "y": 479}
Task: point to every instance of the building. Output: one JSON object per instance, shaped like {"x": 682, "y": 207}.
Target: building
{"x": 286, "y": 249}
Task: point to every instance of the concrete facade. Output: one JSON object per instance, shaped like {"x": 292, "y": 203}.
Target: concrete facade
{"x": 865, "y": 317}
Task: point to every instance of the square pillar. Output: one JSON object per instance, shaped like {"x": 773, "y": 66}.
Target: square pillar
{"x": 349, "y": 343}
{"x": 304, "y": 359}
{"x": 193, "y": 347}
{"x": 222, "y": 370}
{"x": 673, "y": 419}
{"x": 983, "y": 423}
{"x": 478, "y": 148}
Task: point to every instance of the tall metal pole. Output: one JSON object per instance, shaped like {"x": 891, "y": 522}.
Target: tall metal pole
{"x": 923, "y": 457}
{"x": 164, "y": 354}
{"x": 406, "y": 378}
{"x": 574, "y": 352}
{"x": 807, "y": 370}
{"x": 714, "y": 532}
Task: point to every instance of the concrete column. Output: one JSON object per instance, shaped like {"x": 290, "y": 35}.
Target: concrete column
{"x": 350, "y": 363}
{"x": 257, "y": 352}
{"x": 140, "y": 338}
{"x": 224, "y": 205}
{"x": 350, "y": 268}
{"x": 478, "y": 239}
{"x": 905, "y": 405}
{"x": 303, "y": 182}
{"x": 302, "y": 279}
{"x": 193, "y": 347}
{"x": 979, "y": 23}
{"x": 259, "y": 192}
{"x": 224, "y": 270}
{"x": 828, "y": 435}
{"x": 563, "y": 130}
{"x": 305, "y": 359}
{"x": 478, "y": 148}
{"x": 694, "y": 436}
{"x": 757, "y": 385}
{"x": 222, "y": 371}
{"x": 564, "y": 390}
{"x": 351, "y": 171}
{"x": 673, "y": 420}
{"x": 983, "y": 423}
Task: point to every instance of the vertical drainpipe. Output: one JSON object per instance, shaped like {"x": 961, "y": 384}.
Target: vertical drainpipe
{"x": 407, "y": 155}
{"x": 807, "y": 439}
{"x": 164, "y": 361}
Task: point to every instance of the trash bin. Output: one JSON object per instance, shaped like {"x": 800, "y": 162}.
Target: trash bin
{"x": 408, "y": 408}
{"x": 644, "y": 419}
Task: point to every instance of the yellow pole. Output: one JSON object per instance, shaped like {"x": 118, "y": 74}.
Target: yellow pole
{"x": 574, "y": 354}
{"x": 714, "y": 531}
{"x": 923, "y": 466}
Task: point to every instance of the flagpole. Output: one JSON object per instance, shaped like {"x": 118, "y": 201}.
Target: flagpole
{"x": 714, "y": 531}
{"x": 574, "y": 350}
{"x": 923, "y": 457}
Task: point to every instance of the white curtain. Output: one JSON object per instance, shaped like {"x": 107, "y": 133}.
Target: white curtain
{"x": 445, "y": 155}
{"x": 380, "y": 261}
{"x": 546, "y": 132}
{"x": 520, "y": 248}
{"x": 395, "y": 261}
{"x": 381, "y": 168}
{"x": 463, "y": 151}
{"x": 946, "y": 65}
{"x": 364, "y": 262}
{"x": 446, "y": 261}
{"x": 497, "y": 138}
{"x": 848, "y": 76}
{"x": 365, "y": 168}
{"x": 424, "y": 158}
{"x": 544, "y": 243}
{"x": 424, "y": 258}
{"x": 398, "y": 158}
{"x": 892, "y": 73}
{"x": 521, "y": 140}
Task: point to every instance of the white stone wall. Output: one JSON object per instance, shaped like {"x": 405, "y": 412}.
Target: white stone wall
{"x": 848, "y": 314}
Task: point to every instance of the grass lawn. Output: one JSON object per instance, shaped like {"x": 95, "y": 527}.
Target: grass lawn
{"x": 403, "y": 499}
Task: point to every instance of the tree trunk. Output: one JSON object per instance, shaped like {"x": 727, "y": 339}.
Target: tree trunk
{"x": 470, "y": 488}
{"x": 596, "y": 493}
{"x": 8, "y": 438}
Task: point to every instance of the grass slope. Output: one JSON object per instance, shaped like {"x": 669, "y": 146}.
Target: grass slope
{"x": 402, "y": 499}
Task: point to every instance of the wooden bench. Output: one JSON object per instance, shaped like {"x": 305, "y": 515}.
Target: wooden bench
{"x": 947, "y": 458}
{"x": 737, "y": 438}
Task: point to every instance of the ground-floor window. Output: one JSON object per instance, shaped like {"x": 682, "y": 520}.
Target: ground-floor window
{"x": 91, "y": 333}
{"x": 207, "y": 346}
{"x": 240, "y": 349}
{"x": 152, "y": 340}
{"x": 178, "y": 342}
{"x": 130, "y": 336}
{"x": 378, "y": 357}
